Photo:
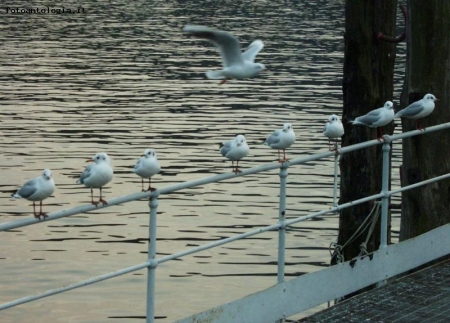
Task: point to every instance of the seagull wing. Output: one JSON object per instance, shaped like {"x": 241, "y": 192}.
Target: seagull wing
{"x": 228, "y": 45}
{"x": 370, "y": 118}
{"x": 28, "y": 189}
{"x": 87, "y": 172}
{"x": 411, "y": 110}
{"x": 138, "y": 164}
{"x": 253, "y": 50}
{"x": 274, "y": 138}
{"x": 226, "y": 147}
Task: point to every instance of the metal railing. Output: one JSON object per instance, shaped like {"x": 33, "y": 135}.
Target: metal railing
{"x": 152, "y": 262}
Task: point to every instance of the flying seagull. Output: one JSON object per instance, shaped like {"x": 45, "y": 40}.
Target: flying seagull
{"x": 236, "y": 65}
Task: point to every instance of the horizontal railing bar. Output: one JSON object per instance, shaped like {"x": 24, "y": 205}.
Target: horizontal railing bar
{"x": 218, "y": 243}
{"x": 424, "y": 182}
{"x": 216, "y": 178}
{"x": 334, "y": 209}
{"x": 413, "y": 133}
{"x": 74, "y": 286}
{"x": 213, "y": 244}
{"x": 199, "y": 182}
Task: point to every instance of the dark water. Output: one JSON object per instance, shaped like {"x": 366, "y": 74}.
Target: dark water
{"x": 120, "y": 78}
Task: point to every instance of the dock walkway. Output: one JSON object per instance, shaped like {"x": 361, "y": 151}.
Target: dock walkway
{"x": 423, "y": 296}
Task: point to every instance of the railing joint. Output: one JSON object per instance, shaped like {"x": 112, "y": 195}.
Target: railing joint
{"x": 387, "y": 139}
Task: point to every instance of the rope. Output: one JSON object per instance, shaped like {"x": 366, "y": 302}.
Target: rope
{"x": 336, "y": 250}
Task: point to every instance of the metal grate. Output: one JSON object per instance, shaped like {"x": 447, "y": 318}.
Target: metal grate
{"x": 422, "y": 297}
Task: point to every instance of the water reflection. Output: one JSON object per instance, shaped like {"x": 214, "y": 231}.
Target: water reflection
{"x": 122, "y": 78}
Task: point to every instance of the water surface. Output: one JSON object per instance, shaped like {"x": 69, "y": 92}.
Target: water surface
{"x": 120, "y": 78}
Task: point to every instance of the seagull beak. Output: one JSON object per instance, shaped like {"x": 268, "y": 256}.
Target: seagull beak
{"x": 437, "y": 100}
{"x": 89, "y": 160}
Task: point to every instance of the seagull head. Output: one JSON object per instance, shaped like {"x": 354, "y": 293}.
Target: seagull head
{"x": 149, "y": 153}
{"x": 388, "y": 105}
{"x": 333, "y": 118}
{"x": 430, "y": 97}
{"x": 47, "y": 174}
{"x": 100, "y": 158}
{"x": 240, "y": 139}
{"x": 258, "y": 67}
{"x": 287, "y": 127}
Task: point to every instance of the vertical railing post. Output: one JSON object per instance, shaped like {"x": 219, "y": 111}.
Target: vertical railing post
{"x": 282, "y": 221}
{"x": 151, "y": 270}
{"x": 385, "y": 189}
{"x": 282, "y": 229}
{"x": 335, "y": 188}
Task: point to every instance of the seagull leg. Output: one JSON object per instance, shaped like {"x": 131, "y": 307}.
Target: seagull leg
{"x": 335, "y": 146}
{"x": 237, "y": 170}
{"x": 379, "y": 137}
{"x": 150, "y": 188}
{"x": 34, "y": 212}
{"x": 284, "y": 154}
{"x": 419, "y": 125}
{"x": 44, "y": 215}
{"x": 142, "y": 184}
{"x": 223, "y": 81}
{"x": 102, "y": 200}
{"x": 92, "y": 198}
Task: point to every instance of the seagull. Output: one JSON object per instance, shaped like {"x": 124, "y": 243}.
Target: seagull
{"x": 418, "y": 109}
{"x": 146, "y": 167}
{"x": 377, "y": 118}
{"x": 235, "y": 150}
{"x": 37, "y": 189}
{"x": 281, "y": 140}
{"x": 333, "y": 129}
{"x": 97, "y": 175}
{"x": 236, "y": 65}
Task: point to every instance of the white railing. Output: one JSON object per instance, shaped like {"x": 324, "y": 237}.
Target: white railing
{"x": 152, "y": 262}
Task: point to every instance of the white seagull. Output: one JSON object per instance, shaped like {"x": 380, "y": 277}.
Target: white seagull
{"x": 146, "y": 167}
{"x": 97, "y": 175}
{"x": 281, "y": 140}
{"x": 37, "y": 189}
{"x": 377, "y": 118}
{"x": 333, "y": 129}
{"x": 235, "y": 64}
{"x": 418, "y": 109}
{"x": 235, "y": 150}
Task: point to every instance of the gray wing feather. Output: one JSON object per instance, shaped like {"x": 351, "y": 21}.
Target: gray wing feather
{"x": 274, "y": 138}
{"x": 228, "y": 45}
{"x": 28, "y": 189}
{"x": 138, "y": 164}
{"x": 225, "y": 148}
{"x": 370, "y": 118}
{"x": 253, "y": 50}
{"x": 410, "y": 110}
{"x": 85, "y": 174}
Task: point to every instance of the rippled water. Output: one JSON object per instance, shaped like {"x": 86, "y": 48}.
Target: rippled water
{"x": 121, "y": 78}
